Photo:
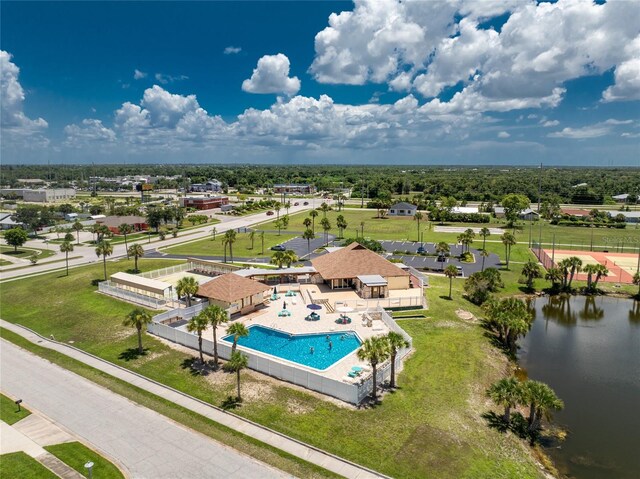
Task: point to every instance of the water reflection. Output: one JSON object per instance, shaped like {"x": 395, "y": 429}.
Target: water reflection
{"x": 634, "y": 313}
{"x": 560, "y": 309}
{"x": 591, "y": 311}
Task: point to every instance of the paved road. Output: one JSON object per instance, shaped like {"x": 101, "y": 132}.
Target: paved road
{"x": 144, "y": 442}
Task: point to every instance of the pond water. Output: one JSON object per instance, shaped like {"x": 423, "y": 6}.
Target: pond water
{"x": 588, "y": 351}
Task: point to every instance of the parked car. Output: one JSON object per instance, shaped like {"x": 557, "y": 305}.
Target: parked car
{"x": 278, "y": 247}
{"x": 305, "y": 203}
{"x": 460, "y": 270}
{"x": 421, "y": 250}
{"x": 270, "y": 213}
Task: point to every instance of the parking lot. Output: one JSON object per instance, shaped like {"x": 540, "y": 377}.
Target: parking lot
{"x": 299, "y": 245}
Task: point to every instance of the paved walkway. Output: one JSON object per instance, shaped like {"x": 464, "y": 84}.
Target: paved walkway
{"x": 268, "y": 436}
{"x": 146, "y": 443}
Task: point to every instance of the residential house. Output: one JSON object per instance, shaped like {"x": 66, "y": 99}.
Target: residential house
{"x": 403, "y": 209}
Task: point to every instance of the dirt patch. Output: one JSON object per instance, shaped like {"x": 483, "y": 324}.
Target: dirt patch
{"x": 257, "y": 391}
{"x": 296, "y": 407}
{"x": 466, "y": 316}
{"x": 220, "y": 379}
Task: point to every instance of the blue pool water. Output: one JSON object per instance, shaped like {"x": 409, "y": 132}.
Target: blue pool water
{"x": 297, "y": 347}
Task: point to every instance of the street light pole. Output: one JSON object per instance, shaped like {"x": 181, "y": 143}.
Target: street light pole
{"x": 89, "y": 467}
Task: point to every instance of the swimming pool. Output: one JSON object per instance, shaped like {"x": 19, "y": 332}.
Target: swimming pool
{"x": 317, "y": 350}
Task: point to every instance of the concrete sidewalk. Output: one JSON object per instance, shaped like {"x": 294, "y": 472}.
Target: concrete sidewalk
{"x": 292, "y": 446}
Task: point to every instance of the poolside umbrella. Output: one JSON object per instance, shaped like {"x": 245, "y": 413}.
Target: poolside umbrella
{"x": 314, "y": 307}
{"x": 345, "y": 309}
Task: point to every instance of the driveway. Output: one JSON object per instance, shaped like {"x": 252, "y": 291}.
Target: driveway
{"x": 147, "y": 444}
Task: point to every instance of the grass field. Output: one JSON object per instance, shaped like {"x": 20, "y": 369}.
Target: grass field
{"x": 9, "y": 411}
{"x": 24, "y": 252}
{"x": 431, "y": 427}
{"x": 19, "y": 465}
{"x": 405, "y": 228}
{"x": 76, "y": 455}
{"x": 241, "y": 247}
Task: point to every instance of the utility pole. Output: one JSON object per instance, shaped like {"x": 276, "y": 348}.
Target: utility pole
{"x": 539, "y": 217}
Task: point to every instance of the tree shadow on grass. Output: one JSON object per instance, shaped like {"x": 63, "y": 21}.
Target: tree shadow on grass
{"x": 195, "y": 367}
{"x": 517, "y": 426}
{"x": 445, "y": 297}
{"x": 132, "y": 271}
{"x": 230, "y": 403}
{"x": 132, "y": 354}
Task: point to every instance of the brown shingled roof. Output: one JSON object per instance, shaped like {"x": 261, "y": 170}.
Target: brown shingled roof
{"x": 354, "y": 260}
{"x": 230, "y": 287}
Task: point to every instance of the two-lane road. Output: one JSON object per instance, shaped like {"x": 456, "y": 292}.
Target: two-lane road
{"x": 146, "y": 443}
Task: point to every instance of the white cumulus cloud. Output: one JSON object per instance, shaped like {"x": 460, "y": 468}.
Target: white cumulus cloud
{"x": 272, "y": 76}
{"x": 231, "y": 50}
{"x": 89, "y": 131}
{"x": 139, "y": 75}
{"x": 504, "y": 135}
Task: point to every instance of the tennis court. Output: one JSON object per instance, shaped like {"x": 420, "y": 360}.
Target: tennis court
{"x": 621, "y": 266}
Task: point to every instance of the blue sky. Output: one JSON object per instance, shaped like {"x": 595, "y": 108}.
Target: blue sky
{"x": 466, "y": 82}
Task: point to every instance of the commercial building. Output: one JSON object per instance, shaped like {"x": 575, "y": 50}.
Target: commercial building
{"x": 204, "y": 202}
{"x": 294, "y": 188}
{"x": 139, "y": 223}
{"x": 214, "y": 186}
{"x": 42, "y": 195}
{"x": 403, "y": 209}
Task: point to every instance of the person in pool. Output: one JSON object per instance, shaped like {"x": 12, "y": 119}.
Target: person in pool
{"x": 328, "y": 338}
{"x": 330, "y": 345}
{"x": 311, "y": 350}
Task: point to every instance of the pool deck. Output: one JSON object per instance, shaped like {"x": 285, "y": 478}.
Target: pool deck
{"x": 296, "y": 324}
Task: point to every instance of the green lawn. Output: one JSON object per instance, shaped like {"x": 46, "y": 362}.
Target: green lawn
{"x": 4, "y": 262}
{"x": 76, "y": 455}
{"x": 241, "y": 247}
{"x": 431, "y": 427}
{"x": 9, "y": 411}
{"x": 25, "y": 253}
{"x": 19, "y": 465}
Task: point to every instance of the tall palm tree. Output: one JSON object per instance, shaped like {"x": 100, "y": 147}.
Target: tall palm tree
{"x": 326, "y": 226}
{"x": 262, "y": 241}
{"x": 451, "y": 272}
{"x": 442, "y": 248}
{"x": 307, "y": 222}
{"x": 575, "y": 265}
{"x": 590, "y": 269}
{"x": 484, "y": 232}
{"x": 324, "y": 208}
{"x": 252, "y": 237}
{"x": 136, "y": 251}
{"x": 555, "y": 276}
{"x": 237, "y": 363}
{"x": 287, "y": 205}
{"x": 278, "y": 207}
{"x": 531, "y": 271}
{"x": 239, "y": 330}
{"x": 469, "y": 236}
{"x": 216, "y": 316}
{"x": 508, "y": 393}
{"x": 342, "y": 224}
{"x": 124, "y": 229}
{"x": 214, "y": 230}
{"x": 78, "y": 227}
{"x": 187, "y": 287}
{"x": 198, "y": 324}
{"x": 508, "y": 240}
{"x": 484, "y": 253}
{"x": 418, "y": 217}
{"x": 230, "y": 237}
{"x": 224, "y": 245}
{"x": 66, "y": 247}
{"x": 138, "y": 318}
{"x": 374, "y": 350}
{"x": 313, "y": 214}
{"x": 542, "y": 400}
{"x": 104, "y": 249}
{"x": 290, "y": 256}
{"x": 395, "y": 342}
{"x": 308, "y": 235}
{"x": 601, "y": 271}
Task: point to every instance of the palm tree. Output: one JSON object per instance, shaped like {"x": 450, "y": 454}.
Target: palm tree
{"x": 555, "y": 276}
{"x": 590, "y": 269}
{"x": 324, "y": 208}
{"x": 138, "y": 318}
{"x": 66, "y": 247}
{"x": 575, "y": 264}
{"x": 278, "y": 258}
{"x": 187, "y": 287}
{"x": 636, "y": 280}
{"x": 362, "y": 229}
{"x": 278, "y": 207}
{"x": 198, "y": 324}
{"x": 136, "y": 251}
{"x": 313, "y": 214}
{"x": 601, "y": 271}
{"x": 230, "y": 237}
{"x": 238, "y": 330}
{"x": 542, "y": 400}
{"x": 237, "y": 363}
{"x": 287, "y": 205}
{"x": 484, "y": 253}
{"x": 375, "y": 351}
{"x": 469, "y": 235}
{"x": 224, "y": 245}
{"x": 531, "y": 271}
{"x": 124, "y": 229}
{"x": 484, "y": 232}
{"x": 508, "y": 240}
{"x": 262, "y": 241}
{"x": 442, "y": 248}
{"x": 78, "y": 227}
{"x": 279, "y": 225}
{"x": 214, "y": 230}
{"x": 252, "y": 236}
{"x": 418, "y": 217}
{"x": 104, "y": 249}
{"x": 395, "y": 342}
{"x": 290, "y": 256}
{"x": 307, "y": 222}
{"x": 308, "y": 235}
{"x": 326, "y": 226}
{"x": 215, "y": 316}
{"x": 451, "y": 272}
{"x": 341, "y": 223}
{"x": 508, "y": 393}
